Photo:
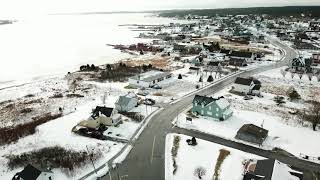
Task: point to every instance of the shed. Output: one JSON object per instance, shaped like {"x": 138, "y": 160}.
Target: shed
{"x": 252, "y": 133}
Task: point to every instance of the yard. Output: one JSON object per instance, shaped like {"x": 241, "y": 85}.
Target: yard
{"x": 212, "y": 160}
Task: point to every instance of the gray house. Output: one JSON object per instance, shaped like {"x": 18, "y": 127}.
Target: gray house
{"x": 270, "y": 169}
{"x": 252, "y": 133}
{"x": 31, "y": 172}
{"x": 126, "y": 103}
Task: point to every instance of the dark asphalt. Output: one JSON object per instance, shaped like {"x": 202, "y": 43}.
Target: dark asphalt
{"x": 146, "y": 159}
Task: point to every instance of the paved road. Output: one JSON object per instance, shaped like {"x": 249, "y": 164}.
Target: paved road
{"x": 146, "y": 159}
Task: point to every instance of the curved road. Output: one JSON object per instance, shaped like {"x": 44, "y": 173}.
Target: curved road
{"x": 147, "y": 158}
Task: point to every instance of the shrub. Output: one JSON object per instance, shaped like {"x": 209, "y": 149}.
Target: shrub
{"x": 75, "y": 96}
{"x": 26, "y": 110}
{"x": 222, "y": 156}
{"x": 210, "y": 78}
{"x": 56, "y": 156}
{"x": 174, "y": 152}
{"x": 12, "y": 134}
{"x": 180, "y": 76}
{"x": 135, "y": 116}
{"x": 57, "y": 95}
{"x": 293, "y": 94}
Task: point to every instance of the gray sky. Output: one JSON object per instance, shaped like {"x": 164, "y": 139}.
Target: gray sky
{"x": 36, "y": 7}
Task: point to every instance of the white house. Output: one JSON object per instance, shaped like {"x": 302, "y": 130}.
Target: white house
{"x": 31, "y": 172}
{"x": 149, "y": 78}
{"x": 127, "y": 102}
{"x": 247, "y": 86}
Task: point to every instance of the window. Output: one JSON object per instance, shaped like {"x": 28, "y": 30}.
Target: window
{"x": 209, "y": 107}
{"x": 217, "y": 109}
{"x": 209, "y": 113}
{"x": 201, "y": 112}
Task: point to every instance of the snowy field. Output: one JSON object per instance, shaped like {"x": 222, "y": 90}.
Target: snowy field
{"x": 286, "y": 131}
{"x": 203, "y": 155}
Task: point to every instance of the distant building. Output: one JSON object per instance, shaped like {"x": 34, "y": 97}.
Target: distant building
{"x": 270, "y": 169}
{"x": 31, "y": 172}
{"x": 252, "y": 133}
{"x": 247, "y": 86}
{"x": 248, "y": 56}
{"x": 237, "y": 62}
{"x": 149, "y": 79}
{"x": 316, "y": 58}
{"x": 217, "y": 108}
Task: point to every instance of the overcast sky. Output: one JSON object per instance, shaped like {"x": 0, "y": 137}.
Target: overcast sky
{"x": 36, "y": 7}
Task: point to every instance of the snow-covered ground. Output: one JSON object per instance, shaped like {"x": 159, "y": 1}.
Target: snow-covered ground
{"x": 58, "y": 133}
{"x": 205, "y": 155}
{"x": 286, "y": 131}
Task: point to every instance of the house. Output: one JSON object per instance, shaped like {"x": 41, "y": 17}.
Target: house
{"x": 316, "y": 58}
{"x": 237, "y": 62}
{"x": 194, "y": 69}
{"x": 248, "y": 56}
{"x": 252, "y": 133}
{"x": 217, "y": 108}
{"x": 270, "y": 169}
{"x": 126, "y": 103}
{"x": 31, "y": 172}
{"x": 101, "y": 117}
{"x": 247, "y": 86}
{"x": 301, "y": 64}
{"x": 148, "y": 79}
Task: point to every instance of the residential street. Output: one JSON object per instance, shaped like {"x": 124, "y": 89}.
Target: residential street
{"x": 146, "y": 160}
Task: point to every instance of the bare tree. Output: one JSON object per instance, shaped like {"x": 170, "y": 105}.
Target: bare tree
{"x": 283, "y": 73}
{"x": 73, "y": 85}
{"x": 310, "y": 75}
{"x": 313, "y": 115}
{"x": 199, "y": 172}
{"x": 292, "y": 74}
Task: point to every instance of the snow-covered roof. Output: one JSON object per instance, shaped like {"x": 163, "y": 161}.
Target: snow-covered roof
{"x": 222, "y": 103}
{"x": 151, "y": 76}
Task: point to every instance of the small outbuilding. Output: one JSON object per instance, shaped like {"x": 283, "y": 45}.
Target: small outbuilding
{"x": 252, "y": 133}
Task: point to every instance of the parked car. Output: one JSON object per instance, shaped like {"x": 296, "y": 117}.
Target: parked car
{"x": 143, "y": 92}
{"x": 149, "y": 102}
{"x": 247, "y": 97}
{"x": 156, "y": 86}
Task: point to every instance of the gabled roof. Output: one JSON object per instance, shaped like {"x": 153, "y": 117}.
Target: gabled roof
{"x": 203, "y": 100}
{"x": 225, "y": 51}
{"x": 31, "y": 172}
{"x": 257, "y": 132}
{"x": 243, "y": 81}
{"x": 256, "y": 87}
{"x": 103, "y": 110}
{"x": 213, "y": 63}
{"x": 265, "y": 168}
{"x": 241, "y": 54}
{"x": 221, "y": 102}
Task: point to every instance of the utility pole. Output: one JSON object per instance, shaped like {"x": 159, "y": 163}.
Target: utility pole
{"x": 91, "y": 160}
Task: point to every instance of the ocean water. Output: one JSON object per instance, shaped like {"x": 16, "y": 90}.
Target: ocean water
{"x": 55, "y": 44}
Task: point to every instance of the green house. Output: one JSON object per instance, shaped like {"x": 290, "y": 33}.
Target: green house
{"x": 217, "y": 108}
